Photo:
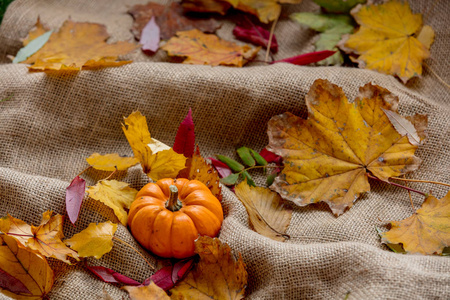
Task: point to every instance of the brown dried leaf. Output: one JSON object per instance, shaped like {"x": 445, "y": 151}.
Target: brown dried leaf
{"x": 217, "y": 275}
{"x": 145, "y": 292}
{"x": 169, "y": 18}
{"x": 266, "y": 210}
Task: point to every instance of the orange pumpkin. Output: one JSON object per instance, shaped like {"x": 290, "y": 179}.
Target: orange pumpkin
{"x": 167, "y": 216}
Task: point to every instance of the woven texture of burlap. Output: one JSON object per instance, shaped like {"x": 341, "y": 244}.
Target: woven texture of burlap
{"x": 53, "y": 122}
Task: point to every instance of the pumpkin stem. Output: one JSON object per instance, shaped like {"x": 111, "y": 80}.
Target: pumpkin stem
{"x": 173, "y": 204}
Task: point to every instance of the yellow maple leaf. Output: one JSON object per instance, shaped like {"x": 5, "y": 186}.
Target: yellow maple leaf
{"x": 265, "y": 10}
{"x": 115, "y": 194}
{"x": 95, "y": 240}
{"x": 216, "y": 276}
{"x": 77, "y": 46}
{"x": 266, "y": 210}
{"x": 208, "y": 49}
{"x": 387, "y": 40}
{"x": 328, "y": 156}
{"x": 157, "y": 163}
{"x": 33, "y": 278}
{"x": 111, "y": 162}
{"x": 45, "y": 238}
{"x": 198, "y": 169}
{"x": 151, "y": 291}
{"x": 427, "y": 231}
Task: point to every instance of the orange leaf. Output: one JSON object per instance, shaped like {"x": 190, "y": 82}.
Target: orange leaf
{"x": 77, "y": 45}
{"x": 33, "y": 278}
{"x": 208, "y": 49}
{"x": 198, "y": 169}
{"x": 216, "y": 276}
{"x": 328, "y": 156}
{"x": 44, "y": 239}
{"x": 151, "y": 291}
{"x": 427, "y": 231}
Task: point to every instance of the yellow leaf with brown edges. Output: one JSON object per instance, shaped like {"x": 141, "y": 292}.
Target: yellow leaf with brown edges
{"x": 388, "y": 39}
{"x": 45, "y": 238}
{"x": 328, "y": 156}
{"x": 208, "y": 49}
{"x": 427, "y": 231}
{"x": 31, "y": 270}
{"x": 95, "y": 240}
{"x": 218, "y": 275}
{"x": 111, "y": 162}
{"x": 76, "y": 46}
{"x": 157, "y": 163}
{"x": 198, "y": 169}
{"x": 115, "y": 194}
{"x": 267, "y": 213}
{"x": 151, "y": 291}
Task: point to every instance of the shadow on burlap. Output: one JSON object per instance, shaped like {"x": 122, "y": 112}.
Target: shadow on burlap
{"x": 53, "y": 122}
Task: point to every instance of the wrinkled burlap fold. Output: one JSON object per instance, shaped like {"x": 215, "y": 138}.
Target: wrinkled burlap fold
{"x": 54, "y": 121}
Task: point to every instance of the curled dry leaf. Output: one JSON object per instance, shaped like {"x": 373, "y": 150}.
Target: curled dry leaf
{"x": 145, "y": 292}
{"x": 156, "y": 163}
{"x": 74, "y": 198}
{"x": 45, "y": 239}
{"x": 115, "y": 194}
{"x": 328, "y": 156}
{"x": 387, "y": 40}
{"x": 76, "y": 46}
{"x": 208, "y": 49}
{"x": 216, "y": 276}
{"x": 28, "y": 274}
{"x": 307, "y": 58}
{"x": 427, "y": 231}
{"x": 267, "y": 213}
{"x": 198, "y": 169}
{"x": 111, "y": 162}
{"x": 95, "y": 240}
{"x": 170, "y": 18}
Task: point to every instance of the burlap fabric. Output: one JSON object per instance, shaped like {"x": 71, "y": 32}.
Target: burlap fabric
{"x": 53, "y": 122}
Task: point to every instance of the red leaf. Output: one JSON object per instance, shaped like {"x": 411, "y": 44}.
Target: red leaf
{"x": 270, "y": 156}
{"x": 12, "y": 284}
{"x": 74, "y": 198}
{"x": 307, "y": 58}
{"x": 167, "y": 277}
{"x": 110, "y": 276}
{"x": 150, "y": 37}
{"x": 255, "y": 35}
{"x": 221, "y": 168}
{"x": 185, "y": 138}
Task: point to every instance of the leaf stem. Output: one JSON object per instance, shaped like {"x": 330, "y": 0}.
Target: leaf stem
{"x": 423, "y": 181}
{"x": 149, "y": 264}
{"x": 84, "y": 171}
{"x": 110, "y": 175}
{"x": 269, "y": 44}
{"x": 397, "y": 185}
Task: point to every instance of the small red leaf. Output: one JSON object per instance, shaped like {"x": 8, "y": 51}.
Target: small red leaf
{"x": 12, "y": 284}
{"x": 270, "y": 156}
{"x": 167, "y": 277}
{"x": 255, "y": 35}
{"x": 110, "y": 276}
{"x": 185, "y": 138}
{"x": 74, "y": 198}
{"x": 150, "y": 37}
{"x": 222, "y": 169}
{"x": 307, "y": 58}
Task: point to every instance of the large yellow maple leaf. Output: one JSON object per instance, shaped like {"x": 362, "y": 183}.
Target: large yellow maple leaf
{"x": 328, "y": 156}
{"x": 76, "y": 46}
{"x": 208, "y": 49}
{"x": 44, "y": 239}
{"x": 390, "y": 39}
{"x": 427, "y": 231}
